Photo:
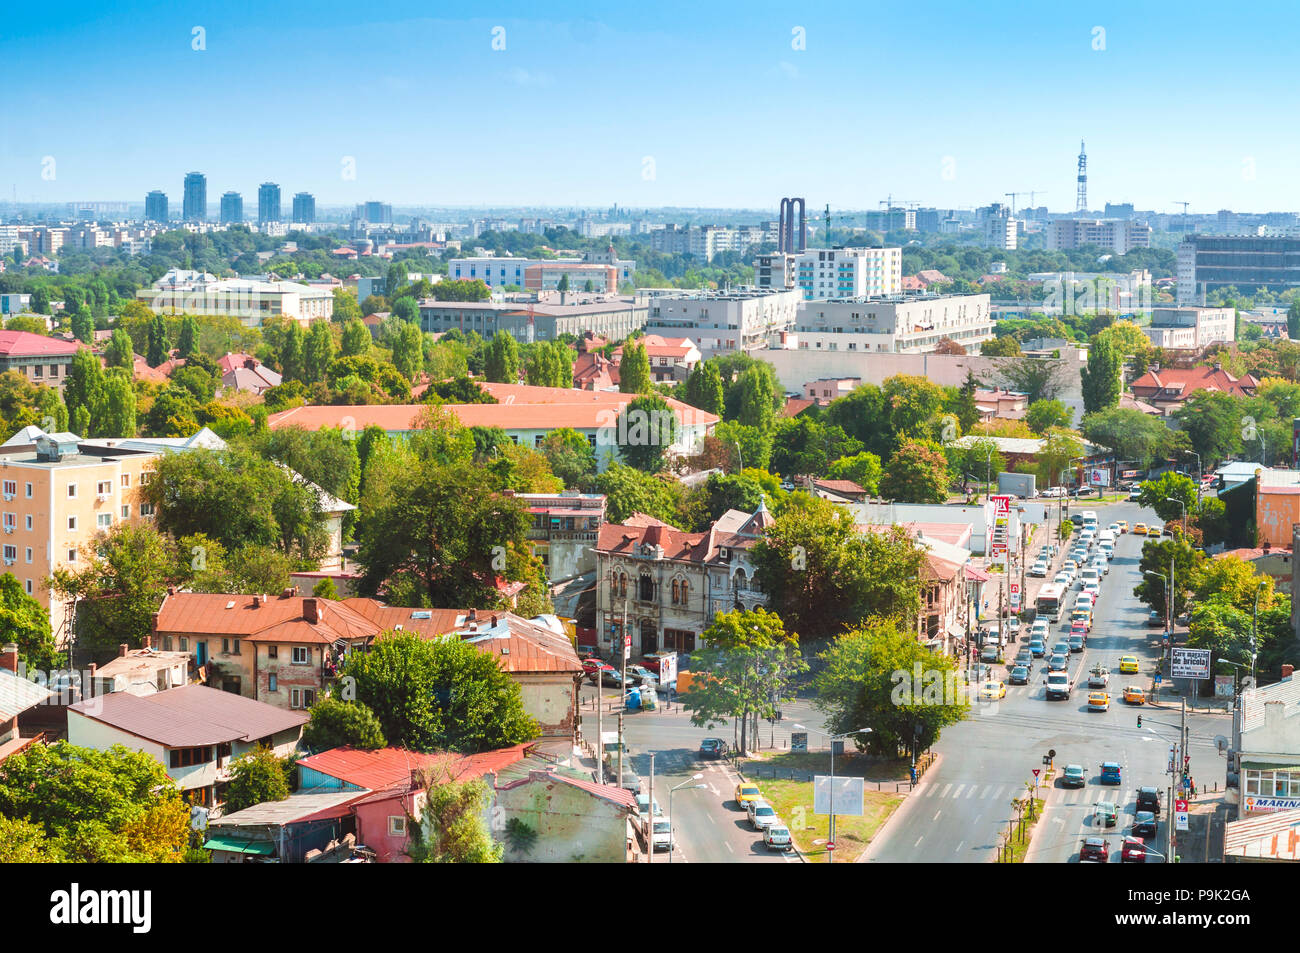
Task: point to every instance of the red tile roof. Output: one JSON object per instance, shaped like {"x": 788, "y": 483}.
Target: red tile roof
{"x": 189, "y": 716}
{"x": 26, "y": 344}
{"x": 1184, "y": 382}
{"x": 847, "y": 487}
{"x": 389, "y": 768}
{"x": 794, "y": 406}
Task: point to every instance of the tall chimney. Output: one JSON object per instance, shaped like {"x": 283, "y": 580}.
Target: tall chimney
{"x": 148, "y": 642}
{"x": 122, "y": 649}
{"x": 9, "y": 657}
{"x": 1287, "y": 670}
{"x": 310, "y": 611}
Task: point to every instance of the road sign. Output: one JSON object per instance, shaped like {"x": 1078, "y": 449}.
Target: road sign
{"x": 830, "y": 845}
{"x": 1180, "y": 815}
{"x": 1189, "y": 663}
{"x": 848, "y": 797}
{"x": 799, "y": 741}
{"x": 1036, "y": 770}
{"x": 1015, "y": 595}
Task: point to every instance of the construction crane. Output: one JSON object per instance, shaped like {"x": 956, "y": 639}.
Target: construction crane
{"x": 1031, "y": 193}
{"x": 1184, "y": 205}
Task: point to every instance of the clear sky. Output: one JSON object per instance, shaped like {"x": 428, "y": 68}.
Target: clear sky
{"x": 649, "y": 104}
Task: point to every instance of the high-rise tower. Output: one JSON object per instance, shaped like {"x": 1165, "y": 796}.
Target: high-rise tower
{"x": 1081, "y": 203}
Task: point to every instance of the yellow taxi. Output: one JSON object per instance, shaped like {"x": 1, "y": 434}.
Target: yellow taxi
{"x": 1128, "y": 664}
{"x": 1098, "y": 701}
{"x": 1153, "y": 531}
{"x": 1123, "y": 526}
{"x": 1082, "y": 615}
{"x": 746, "y": 793}
{"x": 1140, "y": 529}
{"x": 992, "y": 691}
{"x": 1134, "y": 695}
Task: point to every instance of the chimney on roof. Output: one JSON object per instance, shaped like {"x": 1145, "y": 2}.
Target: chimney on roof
{"x": 494, "y": 620}
{"x": 1287, "y": 670}
{"x": 122, "y": 649}
{"x": 171, "y": 590}
{"x": 256, "y": 602}
{"x": 148, "y": 642}
{"x": 93, "y": 669}
{"x": 288, "y": 592}
{"x": 473, "y": 614}
{"x": 9, "y": 657}
{"x": 310, "y": 611}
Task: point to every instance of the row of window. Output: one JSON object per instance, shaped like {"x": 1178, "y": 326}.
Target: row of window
{"x": 102, "y": 487}
{"x": 1278, "y": 783}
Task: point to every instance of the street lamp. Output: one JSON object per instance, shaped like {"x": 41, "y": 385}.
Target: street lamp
{"x": 1169, "y": 601}
{"x": 1198, "y": 475}
{"x": 1183, "y": 518}
{"x": 673, "y": 842}
{"x": 830, "y": 830}
{"x": 739, "y": 456}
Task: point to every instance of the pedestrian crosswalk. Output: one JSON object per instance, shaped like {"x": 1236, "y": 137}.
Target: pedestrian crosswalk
{"x": 1089, "y": 796}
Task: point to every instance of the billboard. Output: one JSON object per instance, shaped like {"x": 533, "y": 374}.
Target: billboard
{"x": 848, "y": 794}
{"x": 1189, "y": 663}
{"x": 1098, "y": 476}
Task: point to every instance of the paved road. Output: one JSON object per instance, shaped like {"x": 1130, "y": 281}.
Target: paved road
{"x": 708, "y": 825}
{"x": 957, "y": 812}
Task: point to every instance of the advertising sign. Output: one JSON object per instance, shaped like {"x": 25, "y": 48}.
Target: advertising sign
{"x": 798, "y": 741}
{"x": 1015, "y": 596}
{"x": 1098, "y": 476}
{"x": 1189, "y": 663}
{"x": 1253, "y": 804}
{"x": 848, "y": 795}
{"x": 1180, "y": 814}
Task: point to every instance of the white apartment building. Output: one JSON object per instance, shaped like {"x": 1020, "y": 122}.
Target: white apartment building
{"x": 248, "y": 299}
{"x": 902, "y": 324}
{"x": 825, "y": 273}
{"x": 721, "y": 321}
{"x": 498, "y": 272}
{"x": 1119, "y": 235}
{"x": 1191, "y": 328}
{"x": 1001, "y": 232}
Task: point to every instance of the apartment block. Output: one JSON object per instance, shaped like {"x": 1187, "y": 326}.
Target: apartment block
{"x": 721, "y": 321}
{"x": 901, "y": 324}
{"x": 1191, "y": 328}
{"x": 1212, "y": 262}
{"x": 538, "y": 317}
{"x": 1118, "y": 235}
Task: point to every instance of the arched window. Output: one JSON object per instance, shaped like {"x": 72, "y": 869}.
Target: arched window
{"x": 674, "y": 592}
{"x": 622, "y": 584}
{"x": 647, "y": 593}
{"x": 685, "y": 589}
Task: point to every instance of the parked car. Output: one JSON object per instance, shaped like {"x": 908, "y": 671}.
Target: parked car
{"x": 713, "y": 748}
{"x": 595, "y": 668}
{"x": 746, "y": 792}
{"x": 661, "y": 837}
{"x": 1039, "y": 569}
{"x": 777, "y": 837}
{"x": 1094, "y": 849}
{"x": 761, "y": 815}
{"x": 643, "y": 805}
{"x": 1155, "y": 620}
{"x": 643, "y": 674}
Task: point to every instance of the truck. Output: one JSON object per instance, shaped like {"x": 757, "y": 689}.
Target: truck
{"x": 1058, "y": 686}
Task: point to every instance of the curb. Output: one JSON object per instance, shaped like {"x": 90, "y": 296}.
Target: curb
{"x": 793, "y": 846}
{"x": 938, "y": 760}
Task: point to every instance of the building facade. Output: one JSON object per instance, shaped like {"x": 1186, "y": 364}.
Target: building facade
{"x": 1211, "y": 262}
{"x": 1119, "y": 235}
{"x": 195, "y": 204}
{"x": 902, "y": 324}
{"x": 1191, "y": 328}
{"x": 304, "y": 208}
{"x": 540, "y": 317}
{"x": 232, "y": 208}
{"x": 155, "y": 206}
{"x": 268, "y": 203}
{"x": 719, "y": 322}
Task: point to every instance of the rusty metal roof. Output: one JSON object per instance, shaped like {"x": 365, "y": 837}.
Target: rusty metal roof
{"x": 189, "y": 716}
{"x": 388, "y": 770}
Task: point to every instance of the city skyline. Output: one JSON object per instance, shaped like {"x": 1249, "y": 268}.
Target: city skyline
{"x": 872, "y": 107}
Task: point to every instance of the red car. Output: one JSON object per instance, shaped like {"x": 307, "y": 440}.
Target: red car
{"x": 593, "y": 667}
{"x": 1135, "y": 852}
{"x": 1094, "y": 848}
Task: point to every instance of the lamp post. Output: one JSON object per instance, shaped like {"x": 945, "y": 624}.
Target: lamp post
{"x": 672, "y": 848}
{"x": 1169, "y": 601}
{"x": 1199, "y": 476}
{"x": 830, "y": 830}
{"x": 1183, "y": 518}
{"x": 740, "y": 457}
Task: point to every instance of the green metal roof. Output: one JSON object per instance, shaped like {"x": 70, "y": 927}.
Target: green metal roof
{"x": 239, "y": 845}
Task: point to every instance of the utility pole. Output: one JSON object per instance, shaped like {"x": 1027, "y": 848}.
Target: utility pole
{"x": 600, "y": 736}
{"x": 650, "y": 814}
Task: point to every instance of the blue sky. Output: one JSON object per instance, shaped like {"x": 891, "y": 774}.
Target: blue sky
{"x": 667, "y": 103}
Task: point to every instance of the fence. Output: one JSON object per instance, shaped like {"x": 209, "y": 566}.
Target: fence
{"x": 1017, "y": 832}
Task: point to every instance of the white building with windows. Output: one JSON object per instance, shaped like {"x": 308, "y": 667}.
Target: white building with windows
{"x": 822, "y": 273}
{"x": 902, "y": 324}
{"x": 1266, "y": 747}
{"x": 719, "y": 322}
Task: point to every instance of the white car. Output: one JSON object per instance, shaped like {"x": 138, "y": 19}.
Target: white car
{"x": 1013, "y": 627}
{"x": 761, "y": 815}
{"x": 778, "y": 836}
{"x": 1092, "y": 589}
{"x": 1063, "y": 579}
{"x": 1040, "y": 630}
{"x": 1101, "y": 565}
{"x": 662, "y": 836}
{"x": 1039, "y": 569}
{"x": 1070, "y": 565}
{"x": 1114, "y": 528}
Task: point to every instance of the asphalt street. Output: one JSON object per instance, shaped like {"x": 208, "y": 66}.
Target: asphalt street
{"x": 958, "y": 810}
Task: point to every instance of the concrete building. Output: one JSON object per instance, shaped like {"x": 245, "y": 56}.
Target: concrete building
{"x": 565, "y": 526}
{"x": 374, "y": 213}
{"x": 248, "y": 299}
{"x": 1212, "y": 262}
{"x": 902, "y": 324}
{"x": 195, "y": 205}
{"x": 232, "y": 208}
{"x": 1001, "y": 230}
{"x": 155, "y": 206}
{"x": 1191, "y": 328}
{"x": 538, "y": 317}
{"x": 822, "y": 273}
{"x": 664, "y": 586}
{"x": 548, "y": 276}
{"x": 193, "y": 731}
{"x": 721, "y": 321}
{"x": 304, "y": 208}
{"x": 268, "y": 203}
{"x": 1119, "y": 235}
{"x": 1265, "y": 753}
{"x": 823, "y": 392}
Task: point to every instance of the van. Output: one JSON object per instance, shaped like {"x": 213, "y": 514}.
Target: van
{"x": 1058, "y": 685}
{"x": 1089, "y": 574}
{"x": 1089, "y": 519}
{"x": 1106, "y": 536}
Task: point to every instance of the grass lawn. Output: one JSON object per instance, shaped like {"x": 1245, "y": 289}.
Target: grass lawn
{"x": 848, "y": 765}
{"x": 1018, "y": 850}
{"x": 793, "y": 800}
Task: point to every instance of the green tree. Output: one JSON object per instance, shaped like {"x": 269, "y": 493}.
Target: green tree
{"x": 1001, "y": 347}
{"x": 174, "y": 414}
{"x": 1035, "y": 377}
{"x": 752, "y": 447}
{"x": 1128, "y": 433}
{"x": 628, "y": 490}
{"x": 1156, "y": 556}
{"x": 634, "y": 370}
{"x": 112, "y": 407}
{"x": 408, "y": 351}
{"x": 913, "y": 404}
{"x": 862, "y": 415}
{"x": 159, "y": 343}
{"x": 1060, "y": 446}
{"x": 880, "y": 676}
{"x": 821, "y": 573}
{"x": 451, "y": 829}
{"x": 1293, "y": 320}
{"x": 756, "y": 399}
{"x": 862, "y": 468}
{"x": 443, "y": 694}
{"x": 570, "y": 456}
{"x": 1159, "y": 492}
{"x": 964, "y": 408}
{"x": 256, "y": 778}
{"x": 291, "y": 353}
{"x": 750, "y": 660}
{"x": 83, "y": 326}
{"x": 645, "y": 432}
{"x": 81, "y": 388}
{"x": 406, "y": 309}
{"x": 335, "y": 723}
{"x": 119, "y": 351}
{"x": 1045, "y": 414}
{"x": 356, "y": 339}
{"x": 721, "y": 493}
{"x": 805, "y": 445}
{"x": 325, "y": 589}
{"x": 704, "y": 388}
{"x": 1101, "y": 378}
{"x": 25, "y": 622}
{"x": 917, "y": 473}
{"x": 188, "y": 343}
{"x": 501, "y": 359}
{"x": 345, "y": 306}
{"x": 1213, "y": 422}
{"x": 317, "y": 352}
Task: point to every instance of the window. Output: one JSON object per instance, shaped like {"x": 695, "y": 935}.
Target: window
{"x": 11, "y": 488}
{"x": 184, "y": 644}
{"x": 126, "y": 511}
{"x": 271, "y": 683}
{"x": 27, "y": 584}
{"x": 144, "y": 478}
{"x": 72, "y": 555}
{"x": 273, "y": 651}
{"x": 396, "y": 826}
{"x": 11, "y": 520}
{"x": 104, "y": 488}
{"x": 11, "y": 553}
{"x": 146, "y": 509}
{"x": 185, "y": 757}
{"x": 72, "y": 491}
{"x": 28, "y": 521}
{"x": 301, "y": 654}
{"x": 308, "y": 697}
{"x": 104, "y": 520}
{"x": 29, "y": 491}
{"x": 72, "y": 522}
{"x": 29, "y": 554}
{"x": 647, "y": 589}
{"x": 126, "y": 480}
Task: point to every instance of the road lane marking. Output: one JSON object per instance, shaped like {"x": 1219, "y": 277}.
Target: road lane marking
{"x": 971, "y": 792}
{"x": 936, "y": 816}
{"x": 958, "y": 850}
{"x": 918, "y": 842}
{"x": 957, "y": 793}
{"x": 987, "y": 789}
{"x": 930, "y": 790}
{"x": 946, "y": 789}
{"x": 728, "y": 846}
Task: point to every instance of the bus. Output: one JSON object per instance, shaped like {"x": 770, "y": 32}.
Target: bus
{"x": 1050, "y": 599}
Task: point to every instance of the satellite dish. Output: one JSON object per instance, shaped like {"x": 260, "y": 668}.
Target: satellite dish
{"x": 1221, "y": 743}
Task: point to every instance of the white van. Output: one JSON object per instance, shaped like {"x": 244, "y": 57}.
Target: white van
{"x": 1088, "y": 574}
{"x": 1089, "y": 518}
{"x": 1106, "y": 536}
